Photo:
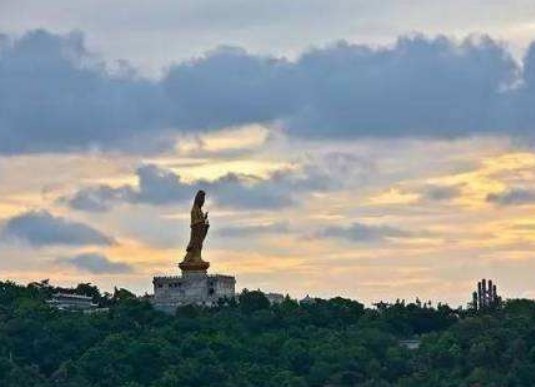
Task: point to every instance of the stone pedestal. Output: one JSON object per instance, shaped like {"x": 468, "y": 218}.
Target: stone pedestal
{"x": 194, "y": 267}
{"x": 191, "y": 288}
{"x": 194, "y": 286}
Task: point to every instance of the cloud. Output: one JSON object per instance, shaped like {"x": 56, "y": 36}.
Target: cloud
{"x": 524, "y": 227}
{"x": 156, "y": 186}
{"x": 250, "y": 230}
{"x": 363, "y": 233}
{"x": 40, "y": 228}
{"x": 230, "y": 87}
{"x": 418, "y": 88}
{"x": 159, "y": 186}
{"x": 98, "y": 199}
{"x": 249, "y": 192}
{"x": 96, "y": 264}
{"x": 512, "y": 197}
{"x": 57, "y": 97}
{"x": 440, "y": 193}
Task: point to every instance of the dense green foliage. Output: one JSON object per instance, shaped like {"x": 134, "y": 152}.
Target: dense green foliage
{"x": 333, "y": 342}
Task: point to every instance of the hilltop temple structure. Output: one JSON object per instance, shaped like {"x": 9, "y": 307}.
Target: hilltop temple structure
{"x": 195, "y": 285}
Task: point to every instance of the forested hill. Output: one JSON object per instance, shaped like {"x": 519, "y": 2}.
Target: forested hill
{"x": 333, "y": 342}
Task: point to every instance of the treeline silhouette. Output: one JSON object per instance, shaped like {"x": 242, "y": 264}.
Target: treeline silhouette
{"x": 336, "y": 342}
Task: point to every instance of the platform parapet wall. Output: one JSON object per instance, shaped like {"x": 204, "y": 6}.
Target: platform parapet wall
{"x": 171, "y": 292}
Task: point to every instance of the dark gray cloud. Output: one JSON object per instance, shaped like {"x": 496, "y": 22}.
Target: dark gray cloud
{"x": 40, "y": 228}
{"x": 512, "y": 197}
{"x": 96, "y": 263}
{"x": 159, "y": 186}
{"x": 156, "y": 186}
{"x": 54, "y": 96}
{"x": 230, "y": 87}
{"x": 420, "y": 87}
{"x": 249, "y": 230}
{"x": 364, "y": 233}
{"x": 439, "y": 193}
{"x": 98, "y": 199}
{"x": 249, "y": 192}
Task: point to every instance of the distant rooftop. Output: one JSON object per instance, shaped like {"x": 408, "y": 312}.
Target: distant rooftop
{"x": 72, "y": 296}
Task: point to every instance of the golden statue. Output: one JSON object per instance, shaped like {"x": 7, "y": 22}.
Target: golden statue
{"x": 193, "y": 261}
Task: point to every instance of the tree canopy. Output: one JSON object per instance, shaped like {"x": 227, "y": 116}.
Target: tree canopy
{"x": 335, "y": 342}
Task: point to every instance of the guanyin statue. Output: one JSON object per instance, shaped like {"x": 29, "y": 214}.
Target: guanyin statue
{"x": 193, "y": 261}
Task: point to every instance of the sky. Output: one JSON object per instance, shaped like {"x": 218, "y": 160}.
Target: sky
{"x": 371, "y": 150}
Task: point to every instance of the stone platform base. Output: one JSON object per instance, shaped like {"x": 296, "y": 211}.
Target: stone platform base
{"x": 193, "y": 287}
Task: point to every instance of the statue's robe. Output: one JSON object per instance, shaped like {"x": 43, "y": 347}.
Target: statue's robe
{"x": 199, "y": 229}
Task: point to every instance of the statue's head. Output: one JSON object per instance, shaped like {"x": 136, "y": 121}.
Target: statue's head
{"x": 199, "y": 198}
